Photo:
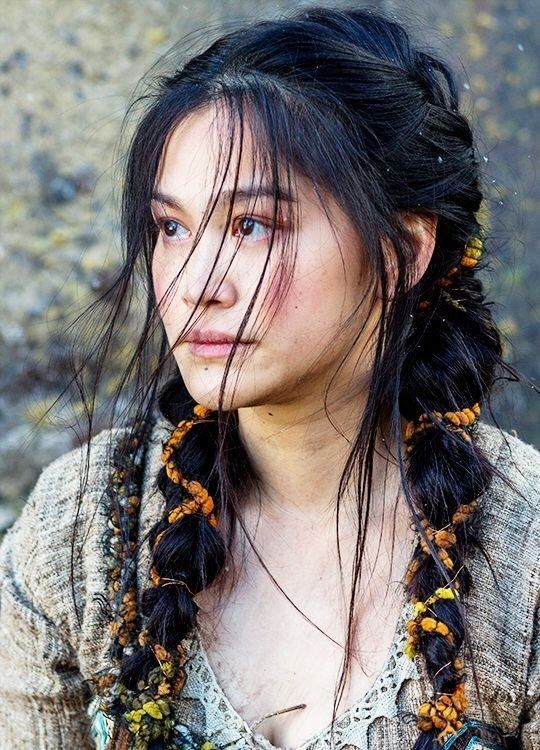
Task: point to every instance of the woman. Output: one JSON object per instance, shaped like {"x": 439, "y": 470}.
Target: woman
{"x": 305, "y": 536}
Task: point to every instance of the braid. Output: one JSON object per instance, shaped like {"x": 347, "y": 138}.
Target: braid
{"x": 187, "y": 555}
{"x": 424, "y": 69}
{"x": 453, "y": 352}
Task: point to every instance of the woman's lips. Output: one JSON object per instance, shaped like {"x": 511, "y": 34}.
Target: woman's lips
{"x": 212, "y": 349}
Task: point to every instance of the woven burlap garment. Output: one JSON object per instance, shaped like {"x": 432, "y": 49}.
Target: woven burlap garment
{"x": 47, "y": 655}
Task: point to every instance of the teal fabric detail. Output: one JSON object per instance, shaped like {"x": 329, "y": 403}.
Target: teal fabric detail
{"x": 476, "y": 735}
{"x": 101, "y": 728}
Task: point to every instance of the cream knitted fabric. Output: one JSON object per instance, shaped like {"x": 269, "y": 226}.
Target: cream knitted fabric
{"x": 47, "y": 653}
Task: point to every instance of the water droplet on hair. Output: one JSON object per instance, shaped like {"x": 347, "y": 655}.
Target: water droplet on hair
{"x": 493, "y": 182}
{"x": 440, "y": 159}
{"x": 520, "y": 47}
{"x": 501, "y": 203}
{"x": 486, "y": 159}
{"x": 467, "y": 86}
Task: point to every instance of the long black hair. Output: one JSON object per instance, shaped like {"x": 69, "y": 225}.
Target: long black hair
{"x": 345, "y": 99}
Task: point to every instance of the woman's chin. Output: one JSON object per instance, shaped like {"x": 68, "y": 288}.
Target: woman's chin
{"x": 236, "y": 395}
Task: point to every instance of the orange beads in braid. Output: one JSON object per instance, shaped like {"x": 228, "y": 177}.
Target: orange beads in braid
{"x": 456, "y": 421}
{"x": 444, "y": 714}
{"x": 472, "y": 253}
{"x": 200, "y": 501}
{"x": 424, "y": 620}
{"x": 443, "y": 539}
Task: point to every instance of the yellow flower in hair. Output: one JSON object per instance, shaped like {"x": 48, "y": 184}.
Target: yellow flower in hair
{"x": 445, "y": 593}
{"x": 442, "y": 628}
{"x": 167, "y": 668}
{"x": 135, "y": 716}
{"x": 410, "y": 651}
{"x": 152, "y": 709}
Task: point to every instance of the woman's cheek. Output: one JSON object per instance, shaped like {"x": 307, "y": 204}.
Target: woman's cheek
{"x": 277, "y": 293}
{"x": 161, "y": 279}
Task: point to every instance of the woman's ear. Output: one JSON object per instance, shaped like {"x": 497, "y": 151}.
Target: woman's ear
{"x": 423, "y": 230}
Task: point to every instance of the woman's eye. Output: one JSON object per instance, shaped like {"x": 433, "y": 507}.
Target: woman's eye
{"x": 250, "y": 227}
{"x": 246, "y": 226}
{"x": 169, "y": 227}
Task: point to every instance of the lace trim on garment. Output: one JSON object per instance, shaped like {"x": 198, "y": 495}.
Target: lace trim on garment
{"x": 218, "y": 718}
{"x": 351, "y": 726}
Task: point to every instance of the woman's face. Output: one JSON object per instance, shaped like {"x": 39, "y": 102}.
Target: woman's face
{"x": 296, "y": 343}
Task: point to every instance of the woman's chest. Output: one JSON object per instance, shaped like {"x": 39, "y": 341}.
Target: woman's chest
{"x": 266, "y": 655}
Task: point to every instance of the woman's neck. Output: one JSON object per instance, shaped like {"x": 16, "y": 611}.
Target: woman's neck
{"x": 299, "y": 455}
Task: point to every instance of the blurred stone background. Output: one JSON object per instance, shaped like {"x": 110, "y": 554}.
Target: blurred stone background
{"x": 67, "y": 71}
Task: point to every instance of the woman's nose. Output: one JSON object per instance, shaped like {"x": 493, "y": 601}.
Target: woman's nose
{"x": 206, "y": 278}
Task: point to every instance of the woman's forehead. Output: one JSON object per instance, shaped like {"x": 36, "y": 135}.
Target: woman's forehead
{"x": 200, "y": 166}
{"x": 206, "y": 148}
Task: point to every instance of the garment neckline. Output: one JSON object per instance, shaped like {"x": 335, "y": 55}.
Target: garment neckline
{"x": 395, "y": 656}
{"x": 492, "y": 441}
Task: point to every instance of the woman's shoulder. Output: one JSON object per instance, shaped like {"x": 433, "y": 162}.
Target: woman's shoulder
{"x": 75, "y": 482}
{"x": 502, "y": 605}
{"x": 62, "y": 484}
{"x": 37, "y": 544}
{"x": 67, "y": 506}
{"x": 508, "y": 515}
{"x": 514, "y": 493}
{"x": 56, "y": 543}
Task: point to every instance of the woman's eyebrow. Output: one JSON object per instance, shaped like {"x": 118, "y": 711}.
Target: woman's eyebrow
{"x": 241, "y": 194}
